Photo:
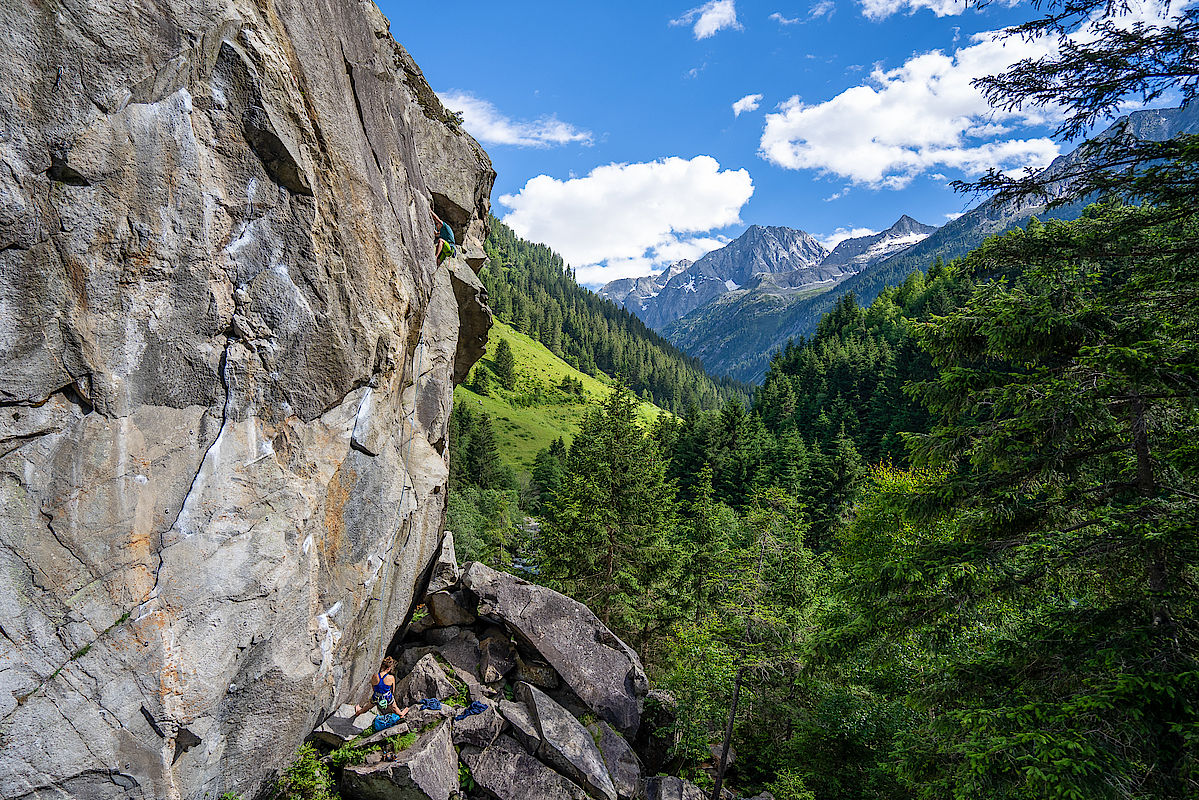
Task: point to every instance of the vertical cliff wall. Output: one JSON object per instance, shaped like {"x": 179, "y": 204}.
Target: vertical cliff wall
{"x": 226, "y": 364}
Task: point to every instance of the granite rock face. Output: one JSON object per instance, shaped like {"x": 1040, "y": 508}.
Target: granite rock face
{"x": 226, "y": 362}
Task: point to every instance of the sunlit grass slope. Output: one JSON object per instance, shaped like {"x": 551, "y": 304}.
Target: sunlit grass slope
{"x": 536, "y": 412}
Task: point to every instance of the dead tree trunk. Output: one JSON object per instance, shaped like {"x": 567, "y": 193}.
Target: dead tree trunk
{"x": 728, "y": 735}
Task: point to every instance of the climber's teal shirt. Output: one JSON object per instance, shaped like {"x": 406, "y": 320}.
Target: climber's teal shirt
{"x": 446, "y": 233}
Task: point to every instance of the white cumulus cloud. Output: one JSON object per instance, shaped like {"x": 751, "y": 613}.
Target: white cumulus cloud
{"x": 841, "y": 234}
{"x": 622, "y": 220}
{"x": 881, "y": 9}
{"x": 710, "y": 18}
{"x": 781, "y": 20}
{"x": 486, "y": 123}
{"x": 915, "y": 118}
{"x": 748, "y": 103}
{"x": 691, "y": 248}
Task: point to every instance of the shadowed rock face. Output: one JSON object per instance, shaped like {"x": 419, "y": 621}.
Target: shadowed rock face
{"x": 226, "y": 364}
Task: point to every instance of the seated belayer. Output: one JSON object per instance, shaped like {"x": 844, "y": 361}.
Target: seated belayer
{"x": 446, "y": 246}
{"x": 383, "y": 701}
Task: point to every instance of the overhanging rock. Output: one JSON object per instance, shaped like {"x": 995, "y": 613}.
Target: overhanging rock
{"x": 227, "y": 357}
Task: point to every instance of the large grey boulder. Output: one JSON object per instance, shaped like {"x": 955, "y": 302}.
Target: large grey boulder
{"x": 409, "y": 657}
{"x": 479, "y": 730}
{"x": 450, "y": 608}
{"x": 718, "y": 749}
{"x": 378, "y": 737}
{"x": 664, "y": 787}
{"x": 227, "y": 356}
{"x": 446, "y": 571}
{"x": 463, "y": 656}
{"x": 603, "y": 671}
{"x": 419, "y": 718}
{"x": 658, "y": 736}
{"x": 523, "y": 728}
{"x": 623, "y": 765}
{"x": 427, "y": 770}
{"x": 496, "y": 656}
{"x": 536, "y": 672}
{"x": 474, "y": 689}
{"x": 566, "y": 744}
{"x": 463, "y": 652}
{"x": 427, "y": 679}
{"x": 507, "y": 772}
{"x": 438, "y": 638}
{"x": 342, "y": 726}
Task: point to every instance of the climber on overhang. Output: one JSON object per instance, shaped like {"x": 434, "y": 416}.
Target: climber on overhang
{"x": 446, "y": 246}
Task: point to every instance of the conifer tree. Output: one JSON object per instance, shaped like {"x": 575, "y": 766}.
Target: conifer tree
{"x": 504, "y": 365}
{"x": 1050, "y": 546}
{"x": 482, "y": 467}
{"x": 707, "y": 528}
{"x": 481, "y": 381}
{"x": 607, "y": 542}
{"x": 548, "y": 474}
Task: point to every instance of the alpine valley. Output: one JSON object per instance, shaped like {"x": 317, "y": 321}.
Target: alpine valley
{"x": 319, "y": 481}
{"x": 735, "y": 307}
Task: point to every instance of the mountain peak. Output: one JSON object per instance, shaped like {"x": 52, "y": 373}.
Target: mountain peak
{"x": 685, "y": 286}
{"x": 859, "y": 253}
{"x": 906, "y": 225}
{"x": 674, "y": 269}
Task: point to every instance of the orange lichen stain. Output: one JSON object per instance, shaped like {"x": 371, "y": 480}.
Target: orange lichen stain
{"x": 335, "y": 505}
{"x": 77, "y": 278}
{"x": 283, "y": 445}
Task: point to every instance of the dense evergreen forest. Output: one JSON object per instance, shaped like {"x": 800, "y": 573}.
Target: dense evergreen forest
{"x": 532, "y": 289}
{"x": 950, "y": 549}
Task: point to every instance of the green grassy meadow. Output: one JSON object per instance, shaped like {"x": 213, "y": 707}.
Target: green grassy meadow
{"x": 536, "y": 412}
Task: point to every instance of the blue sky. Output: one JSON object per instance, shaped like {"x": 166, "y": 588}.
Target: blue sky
{"x": 612, "y": 128}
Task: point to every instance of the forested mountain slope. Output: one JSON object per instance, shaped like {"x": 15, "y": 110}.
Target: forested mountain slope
{"x": 950, "y": 551}
{"x": 861, "y": 556}
{"x": 533, "y": 289}
{"x": 771, "y": 318}
{"x": 532, "y": 397}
